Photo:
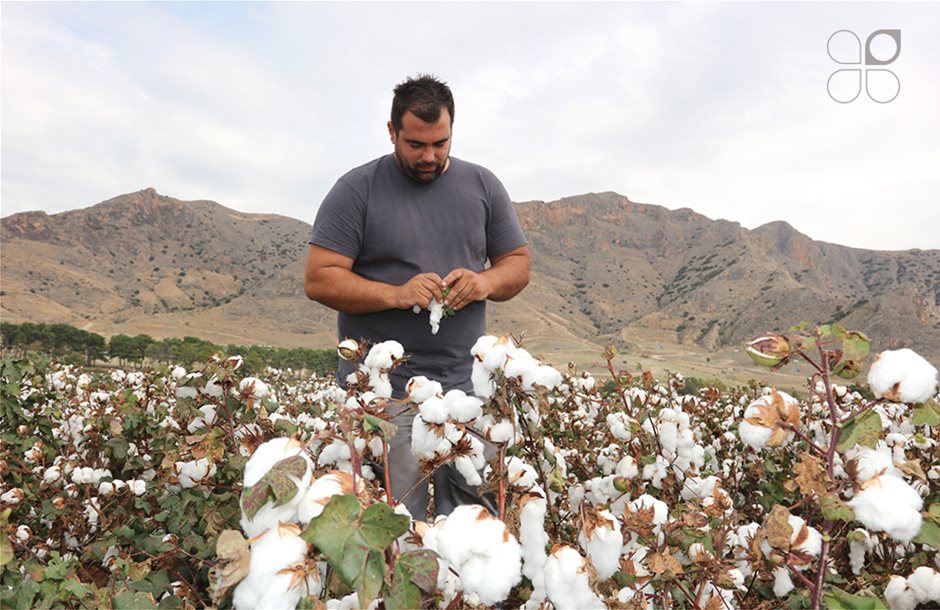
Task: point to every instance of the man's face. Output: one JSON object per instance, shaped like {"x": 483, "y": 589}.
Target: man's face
{"x": 422, "y": 148}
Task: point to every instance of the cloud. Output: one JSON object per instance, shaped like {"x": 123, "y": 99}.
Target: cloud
{"x": 714, "y": 106}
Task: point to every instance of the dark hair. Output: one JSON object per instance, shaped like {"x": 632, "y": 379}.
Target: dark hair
{"x": 424, "y": 95}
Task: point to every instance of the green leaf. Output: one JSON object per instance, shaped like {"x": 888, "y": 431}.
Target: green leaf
{"x": 864, "y": 430}
{"x": 933, "y": 513}
{"x": 371, "y": 423}
{"x": 129, "y": 600}
{"x": 402, "y": 593}
{"x": 422, "y": 565}
{"x": 927, "y": 413}
{"x": 119, "y": 447}
{"x": 624, "y": 580}
{"x": 929, "y": 534}
{"x": 6, "y": 548}
{"x": 370, "y": 579}
{"x": 837, "y": 599}
{"x": 253, "y": 498}
{"x": 799, "y": 327}
{"x": 333, "y": 527}
{"x": 834, "y": 509}
{"x": 381, "y": 526}
{"x": 282, "y": 478}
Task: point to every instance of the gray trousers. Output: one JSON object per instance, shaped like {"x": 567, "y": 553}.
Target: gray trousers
{"x": 450, "y": 487}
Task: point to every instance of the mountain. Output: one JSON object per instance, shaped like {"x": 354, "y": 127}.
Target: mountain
{"x": 606, "y": 269}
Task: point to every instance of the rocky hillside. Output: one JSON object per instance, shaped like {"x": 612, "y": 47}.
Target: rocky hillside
{"x": 604, "y": 267}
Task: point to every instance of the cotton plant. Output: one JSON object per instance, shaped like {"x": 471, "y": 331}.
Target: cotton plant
{"x": 855, "y": 466}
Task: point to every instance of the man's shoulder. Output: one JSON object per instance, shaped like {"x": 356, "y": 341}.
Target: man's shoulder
{"x": 474, "y": 170}
{"x": 365, "y": 171}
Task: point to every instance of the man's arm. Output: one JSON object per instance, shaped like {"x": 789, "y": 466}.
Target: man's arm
{"x": 507, "y": 276}
{"x": 330, "y": 280}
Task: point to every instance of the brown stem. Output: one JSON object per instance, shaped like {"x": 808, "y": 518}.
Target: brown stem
{"x": 830, "y": 469}
{"x": 388, "y": 475}
{"x": 502, "y": 484}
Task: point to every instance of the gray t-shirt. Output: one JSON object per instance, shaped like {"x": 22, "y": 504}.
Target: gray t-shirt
{"x": 394, "y": 228}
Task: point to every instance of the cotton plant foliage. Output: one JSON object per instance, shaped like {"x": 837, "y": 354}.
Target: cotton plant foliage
{"x": 191, "y": 486}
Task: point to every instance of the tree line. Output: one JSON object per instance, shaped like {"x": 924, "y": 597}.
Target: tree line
{"x": 70, "y": 344}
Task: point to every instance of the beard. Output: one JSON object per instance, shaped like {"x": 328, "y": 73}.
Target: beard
{"x": 422, "y": 172}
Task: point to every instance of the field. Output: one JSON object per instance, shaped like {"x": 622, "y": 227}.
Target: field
{"x": 615, "y": 483}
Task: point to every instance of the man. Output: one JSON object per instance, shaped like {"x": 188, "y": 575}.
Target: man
{"x": 395, "y": 233}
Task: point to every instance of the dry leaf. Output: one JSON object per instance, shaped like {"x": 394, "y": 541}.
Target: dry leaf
{"x": 234, "y": 560}
{"x": 810, "y": 476}
{"x": 664, "y": 563}
{"x": 776, "y": 528}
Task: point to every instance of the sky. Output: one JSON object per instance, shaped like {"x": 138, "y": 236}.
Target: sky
{"x": 725, "y": 108}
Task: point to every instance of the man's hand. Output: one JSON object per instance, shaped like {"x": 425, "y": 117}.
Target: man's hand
{"x": 419, "y": 290}
{"x": 466, "y": 286}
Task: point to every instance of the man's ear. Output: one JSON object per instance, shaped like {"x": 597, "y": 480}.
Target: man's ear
{"x": 391, "y": 132}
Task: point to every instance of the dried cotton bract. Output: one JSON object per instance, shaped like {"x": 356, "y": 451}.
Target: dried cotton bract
{"x": 767, "y": 420}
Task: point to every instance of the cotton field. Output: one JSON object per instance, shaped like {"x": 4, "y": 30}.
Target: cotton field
{"x": 201, "y": 487}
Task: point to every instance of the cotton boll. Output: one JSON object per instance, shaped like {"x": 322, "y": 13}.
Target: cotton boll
{"x": 627, "y": 468}
{"x": 567, "y": 582}
{"x": 533, "y": 539}
{"x": 619, "y": 424}
{"x": 870, "y": 463}
{"x": 320, "y": 492}
{"x": 482, "y": 379}
{"x": 424, "y": 439}
{"x": 491, "y": 351}
{"x": 269, "y": 577}
{"x": 252, "y": 387}
{"x": 501, "y": 432}
{"x": 520, "y": 474}
{"x": 925, "y": 583}
{"x": 433, "y": 410}
{"x": 754, "y": 436}
{"x": 783, "y": 584}
{"x": 544, "y": 376}
{"x": 421, "y": 388}
{"x": 268, "y": 454}
{"x": 193, "y": 472}
{"x": 462, "y": 408}
{"x": 484, "y": 553}
{"x": 464, "y": 466}
{"x": 383, "y": 355}
{"x": 602, "y": 541}
{"x": 888, "y": 504}
{"x": 858, "y": 550}
{"x": 902, "y": 375}
{"x": 899, "y": 595}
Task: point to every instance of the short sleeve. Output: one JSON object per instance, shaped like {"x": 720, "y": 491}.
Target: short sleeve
{"x": 503, "y": 231}
{"x": 340, "y": 221}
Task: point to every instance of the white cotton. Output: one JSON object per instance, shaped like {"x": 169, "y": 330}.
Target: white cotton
{"x": 858, "y": 550}
{"x": 925, "y": 583}
{"x": 421, "y": 388}
{"x": 656, "y": 472}
{"x": 252, "y": 387}
{"x": 619, "y": 424}
{"x": 603, "y": 545}
{"x": 533, "y": 539}
{"x": 383, "y": 355}
{"x": 544, "y": 376}
{"x": 433, "y": 410}
{"x": 482, "y": 551}
{"x": 381, "y": 384}
{"x": 870, "y": 463}
{"x": 567, "y": 582}
{"x": 320, "y": 492}
{"x": 268, "y": 454}
{"x": 627, "y": 468}
{"x": 899, "y": 595}
{"x": 482, "y": 379}
{"x": 520, "y": 474}
{"x": 501, "y": 432}
{"x": 105, "y": 488}
{"x": 425, "y": 440}
{"x": 783, "y": 584}
{"x": 889, "y": 505}
{"x": 23, "y": 533}
{"x": 902, "y": 375}
{"x": 465, "y": 466}
{"x": 138, "y": 486}
{"x": 436, "y": 310}
{"x": 491, "y": 351}
{"x": 194, "y": 472}
{"x": 812, "y": 544}
{"x": 462, "y": 408}
{"x": 269, "y": 572}
{"x": 52, "y": 474}
{"x": 697, "y": 487}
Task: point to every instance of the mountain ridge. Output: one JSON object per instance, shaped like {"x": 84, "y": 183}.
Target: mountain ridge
{"x": 605, "y": 268}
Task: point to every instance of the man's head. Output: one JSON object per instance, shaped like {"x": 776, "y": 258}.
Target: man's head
{"x": 420, "y": 126}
